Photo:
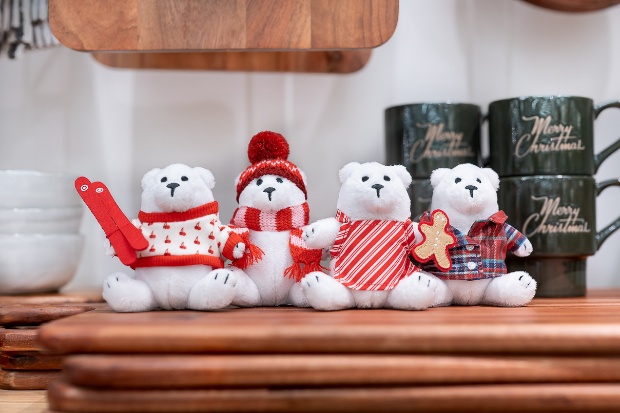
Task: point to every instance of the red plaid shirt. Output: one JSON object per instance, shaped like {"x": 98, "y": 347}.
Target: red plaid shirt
{"x": 481, "y": 253}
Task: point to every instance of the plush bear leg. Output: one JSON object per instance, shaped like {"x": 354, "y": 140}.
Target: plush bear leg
{"x": 247, "y": 294}
{"x": 297, "y": 297}
{"x": 510, "y": 290}
{"x": 127, "y": 295}
{"x": 325, "y": 293}
{"x": 415, "y": 292}
{"x": 214, "y": 291}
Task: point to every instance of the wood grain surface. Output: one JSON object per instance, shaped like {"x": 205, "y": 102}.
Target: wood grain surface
{"x": 27, "y": 380}
{"x": 574, "y": 6}
{"x": 493, "y": 398}
{"x": 29, "y": 360}
{"x": 19, "y": 339}
{"x": 196, "y": 371}
{"x": 581, "y": 326}
{"x": 346, "y": 61}
{"x": 23, "y": 401}
{"x": 53, "y": 298}
{"x": 35, "y": 314}
{"x": 169, "y": 25}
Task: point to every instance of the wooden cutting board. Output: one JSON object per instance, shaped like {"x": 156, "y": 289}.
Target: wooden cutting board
{"x": 35, "y": 314}
{"x": 197, "y": 371}
{"x": 581, "y": 326}
{"x": 52, "y": 298}
{"x": 475, "y": 398}
{"x": 170, "y": 25}
{"x": 29, "y": 360}
{"x": 19, "y": 339}
{"x": 345, "y": 61}
{"x": 27, "y": 380}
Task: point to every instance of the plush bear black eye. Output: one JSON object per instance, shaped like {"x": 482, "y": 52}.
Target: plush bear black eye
{"x": 386, "y": 178}
{"x": 184, "y": 178}
{"x": 259, "y": 182}
{"x": 164, "y": 179}
{"x": 364, "y": 178}
{"x": 279, "y": 180}
{"x": 457, "y": 180}
{"x": 478, "y": 180}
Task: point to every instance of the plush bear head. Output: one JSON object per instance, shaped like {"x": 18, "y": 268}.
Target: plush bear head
{"x": 372, "y": 191}
{"x": 466, "y": 193}
{"x": 176, "y": 188}
{"x": 271, "y": 182}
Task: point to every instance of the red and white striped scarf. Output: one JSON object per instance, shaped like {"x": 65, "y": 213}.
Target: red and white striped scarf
{"x": 305, "y": 260}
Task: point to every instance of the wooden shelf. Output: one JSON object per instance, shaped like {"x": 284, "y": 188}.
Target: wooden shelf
{"x": 174, "y": 25}
{"x": 346, "y": 61}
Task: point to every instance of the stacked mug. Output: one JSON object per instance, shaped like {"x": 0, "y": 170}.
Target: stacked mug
{"x": 542, "y": 149}
{"x": 427, "y": 136}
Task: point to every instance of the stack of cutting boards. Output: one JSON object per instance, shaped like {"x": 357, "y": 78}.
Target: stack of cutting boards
{"x": 24, "y": 364}
{"x": 556, "y": 355}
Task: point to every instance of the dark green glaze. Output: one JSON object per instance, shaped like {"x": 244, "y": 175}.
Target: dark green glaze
{"x": 427, "y": 136}
{"x": 555, "y": 277}
{"x": 556, "y": 213}
{"x": 545, "y": 135}
{"x": 420, "y": 193}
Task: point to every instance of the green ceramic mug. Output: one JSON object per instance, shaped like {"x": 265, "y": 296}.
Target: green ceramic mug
{"x": 427, "y": 136}
{"x": 545, "y": 135}
{"x": 558, "y": 215}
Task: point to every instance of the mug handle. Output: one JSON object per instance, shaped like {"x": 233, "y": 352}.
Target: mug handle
{"x": 604, "y": 154}
{"x": 603, "y": 234}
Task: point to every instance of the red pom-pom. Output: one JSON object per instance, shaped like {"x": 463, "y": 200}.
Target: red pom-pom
{"x": 267, "y": 145}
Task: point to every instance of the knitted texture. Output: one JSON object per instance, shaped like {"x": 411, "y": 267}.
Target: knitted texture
{"x": 192, "y": 237}
{"x": 282, "y": 220}
{"x": 372, "y": 254}
{"x": 268, "y": 152}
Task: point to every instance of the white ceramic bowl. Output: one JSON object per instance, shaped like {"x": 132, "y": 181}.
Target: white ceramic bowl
{"x": 32, "y": 189}
{"x": 37, "y": 263}
{"x": 41, "y": 220}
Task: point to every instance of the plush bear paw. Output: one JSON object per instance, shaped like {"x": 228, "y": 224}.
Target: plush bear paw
{"x": 514, "y": 289}
{"x": 321, "y": 234}
{"x": 525, "y": 249}
{"x": 297, "y": 297}
{"x": 324, "y": 293}
{"x": 415, "y": 292}
{"x": 127, "y": 295}
{"x": 213, "y": 292}
{"x": 239, "y": 250}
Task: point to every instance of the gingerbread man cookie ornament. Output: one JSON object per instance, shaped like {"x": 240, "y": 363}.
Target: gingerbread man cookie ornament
{"x": 437, "y": 239}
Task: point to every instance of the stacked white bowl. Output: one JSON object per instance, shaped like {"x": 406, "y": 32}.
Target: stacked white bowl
{"x": 40, "y": 244}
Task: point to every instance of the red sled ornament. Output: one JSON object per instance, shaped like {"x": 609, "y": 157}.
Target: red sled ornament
{"x": 122, "y": 234}
{"x": 437, "y": 238}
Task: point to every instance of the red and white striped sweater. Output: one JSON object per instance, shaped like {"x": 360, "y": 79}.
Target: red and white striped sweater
{"x": 372, "y": 254}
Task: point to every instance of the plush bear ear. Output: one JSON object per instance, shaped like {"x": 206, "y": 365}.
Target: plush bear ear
{"x": 206, "y": 176}
{"x": 347, "y": 170}
{"x": 438, "y": 175}
{"x": 403, "y": 174}
{"x": 148, "y": 177}
{"x": 493, "y": 177}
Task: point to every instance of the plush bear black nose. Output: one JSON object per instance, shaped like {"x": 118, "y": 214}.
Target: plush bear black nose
{"x": 172, "y": 187}
{"x": 471, "y": 189}
{"x": 378, "y": 188}
{"x": 269, "y": 190}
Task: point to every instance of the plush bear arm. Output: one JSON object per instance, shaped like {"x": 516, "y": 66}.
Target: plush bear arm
{"x": 524, "y": 250}
{"x": 108, "y": 248}
{"x": 322, "y": 233}
{"x": 518, "y": 243}
{"x": 231, "y": 244}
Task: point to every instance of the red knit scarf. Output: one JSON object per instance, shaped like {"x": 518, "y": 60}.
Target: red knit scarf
{"x": 305, "y": 260}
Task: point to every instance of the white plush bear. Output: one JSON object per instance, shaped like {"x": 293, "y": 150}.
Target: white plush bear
{"x": 182, "y": 267}
{"x": 371, "y": 239}
{"x": 467, "y": 194}
{"x": 272, "y": 208}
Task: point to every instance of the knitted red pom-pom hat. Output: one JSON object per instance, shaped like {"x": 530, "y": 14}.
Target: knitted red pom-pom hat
{"x": 268, "y": 152}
